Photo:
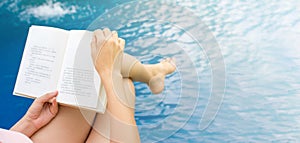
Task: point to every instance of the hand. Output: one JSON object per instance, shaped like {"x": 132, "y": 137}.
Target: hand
{"x": 42, "y": 110}
{"x": 106, "y": 47}
{"x": 40, "y": 113}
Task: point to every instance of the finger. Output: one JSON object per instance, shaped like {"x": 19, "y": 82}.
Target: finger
{"x": 54, "y": 106}
{"x": 107, "y": 33}
{"x": 94, "y": 48}
{"x": 94, "y": 38}
{"x": 100, "y": 38}
{"x": 122, "y": 43}
{"x": 47, "y": 97}
{"x": 93, "y": 42}
{"x": 115, "y": 34}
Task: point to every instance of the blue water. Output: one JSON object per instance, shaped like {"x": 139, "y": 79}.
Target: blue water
{"x": 258, "y": 41}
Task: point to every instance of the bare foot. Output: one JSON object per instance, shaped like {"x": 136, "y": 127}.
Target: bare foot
{"x": 158, "y": 73}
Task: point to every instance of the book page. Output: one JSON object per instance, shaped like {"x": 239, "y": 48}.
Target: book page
{"x": 79, "y": 82}
{"x": 41, "y": 62}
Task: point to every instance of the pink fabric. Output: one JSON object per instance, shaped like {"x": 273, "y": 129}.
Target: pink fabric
{"x": 7, "y": 136}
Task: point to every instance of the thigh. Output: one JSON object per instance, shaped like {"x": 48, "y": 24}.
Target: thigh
{"x": 71, "y": 125}
{"x": 106, "y": 128}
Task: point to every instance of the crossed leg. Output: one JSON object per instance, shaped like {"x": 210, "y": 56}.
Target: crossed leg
{"x": 74, "y": 125}
{"x": 120, "y": 126}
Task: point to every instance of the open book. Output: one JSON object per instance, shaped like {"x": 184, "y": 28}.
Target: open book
{"x": 57, "y": 59}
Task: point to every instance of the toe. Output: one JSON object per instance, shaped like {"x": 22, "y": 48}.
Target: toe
{"x": 173, "y": 62}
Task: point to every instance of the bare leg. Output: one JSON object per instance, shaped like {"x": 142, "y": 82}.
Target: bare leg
{"x": 121, "y": 126}
{"x": 69, "y": 126}
{"x": 152, "y": 74}
{"x": 109, "y": 127}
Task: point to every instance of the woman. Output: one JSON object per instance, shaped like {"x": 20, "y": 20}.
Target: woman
{"x": 117, "y": 70}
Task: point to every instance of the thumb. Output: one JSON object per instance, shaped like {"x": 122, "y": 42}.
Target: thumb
{"x": 47, "y": 97}
{"x": 54, "y": 106}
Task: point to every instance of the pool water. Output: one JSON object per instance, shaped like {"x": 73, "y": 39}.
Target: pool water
{"x": 258, "y": 42}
